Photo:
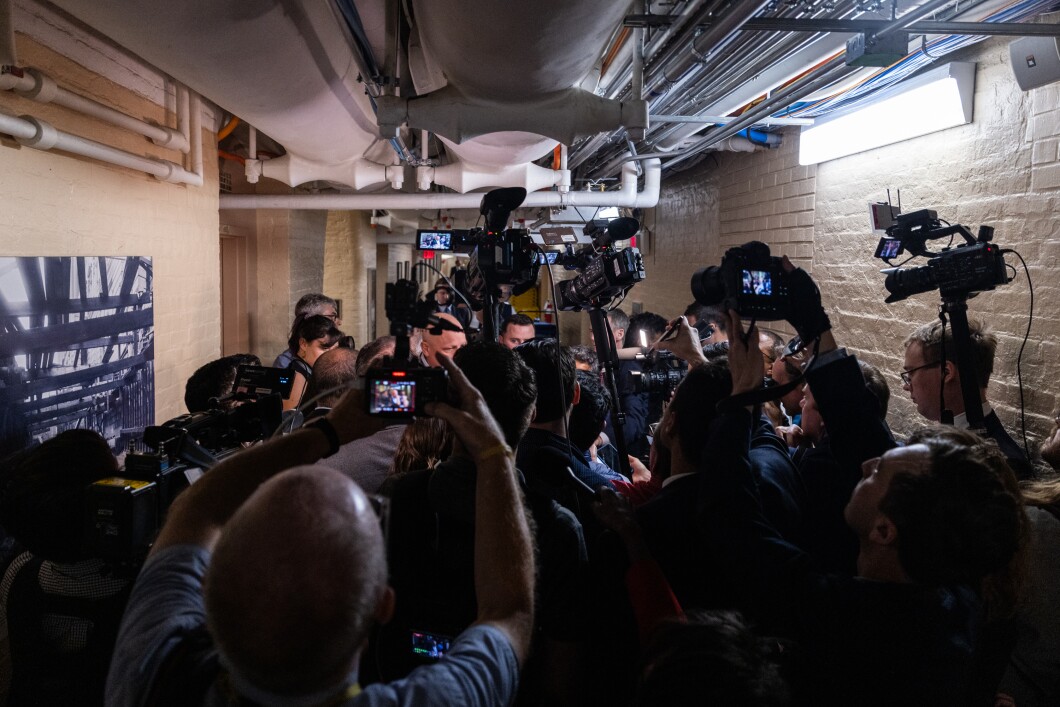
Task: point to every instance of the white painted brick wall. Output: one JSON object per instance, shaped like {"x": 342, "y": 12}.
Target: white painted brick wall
{"x": 1002, "y": 170}
{"x": 57, "y": 205}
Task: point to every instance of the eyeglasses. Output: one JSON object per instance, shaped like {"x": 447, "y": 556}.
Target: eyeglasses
{"x": 907, "y": 375}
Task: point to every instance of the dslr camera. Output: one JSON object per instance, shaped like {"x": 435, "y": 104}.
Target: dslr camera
{"x": 749, "y": 280}
{"x": 398, "y": 389}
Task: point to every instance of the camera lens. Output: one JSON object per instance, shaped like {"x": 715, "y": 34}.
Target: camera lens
{"x": 708, "y": 287}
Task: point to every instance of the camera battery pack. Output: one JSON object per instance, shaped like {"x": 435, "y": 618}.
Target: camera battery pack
{"x": 121, "y": 516}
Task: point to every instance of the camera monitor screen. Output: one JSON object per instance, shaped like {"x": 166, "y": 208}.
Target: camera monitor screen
{"x": 756, "y": 282}
{"x": 430, "y": 645}
{"x": 434, "y": 240}
{"x": 889, "y": 248}
{"x": 392, "y": 396}
{"x": 548, "y": 256}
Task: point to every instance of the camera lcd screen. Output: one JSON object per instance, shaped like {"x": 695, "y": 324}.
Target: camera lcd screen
{"x": 430, "y": 645}
{"x": 392, "y": 396}
{"x": 889, "y": 248}
{"x": 756, "y": 282}
{"x": 548, "y": 256}
{"x": 434, "y": 240}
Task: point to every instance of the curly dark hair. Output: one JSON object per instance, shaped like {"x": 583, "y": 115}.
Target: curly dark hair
{"x": 505, "y": 381}
{"x": 554, "y": 370}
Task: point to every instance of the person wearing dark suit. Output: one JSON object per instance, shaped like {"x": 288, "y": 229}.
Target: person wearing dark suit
{"x": 442, "y": 296}
{"x": 925, "y": 372}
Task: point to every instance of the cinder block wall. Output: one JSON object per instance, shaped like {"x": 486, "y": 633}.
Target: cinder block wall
{"x": 349, "y": 251}
{"x": 52, "y": 204}
{"x": 1001, "y": 170}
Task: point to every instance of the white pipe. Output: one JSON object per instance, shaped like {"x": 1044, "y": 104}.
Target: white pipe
{"x": 39, "y": 135}
{"x": 43, "y": 89}
{"x": 564, "y": 185}
{"x": 252, "y": 142}
{"x": 725, "y": 119}
{"x": 195, "y": 179}
{"x": 627, "y": 196}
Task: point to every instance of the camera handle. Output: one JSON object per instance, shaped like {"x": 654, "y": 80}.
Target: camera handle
{"x": 957, "y": 309}
{"x": 607, "y": 352}
{"x": 490, "y": 328}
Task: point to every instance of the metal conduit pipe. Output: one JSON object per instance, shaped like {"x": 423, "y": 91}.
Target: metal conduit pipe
{"x": 35, "y": 133}
{"x": 690, "y": 16}
{"x": 682, "y": 40}
{"x": 762, "y": 49}
{"x": 706, "y": 45}
{"x": 811, "y": 82}
{"x": 626, "y": 196}
{"x": 38, "y": 86}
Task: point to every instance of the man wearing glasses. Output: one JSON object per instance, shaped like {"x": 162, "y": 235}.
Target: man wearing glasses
{"x": 925, "y": 373}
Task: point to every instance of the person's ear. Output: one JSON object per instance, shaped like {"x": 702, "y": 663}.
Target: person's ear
{"x": 949, "y": 371}
{"x": 884, "y": 531}
{"x": 303, "y": 347}
{"x": 533, "y": 414}
{"x": 577, "y": 393}
{"x": 384, "y": 608}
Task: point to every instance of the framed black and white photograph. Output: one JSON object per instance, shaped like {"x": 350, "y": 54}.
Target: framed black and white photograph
{"x": 76, "y": 348}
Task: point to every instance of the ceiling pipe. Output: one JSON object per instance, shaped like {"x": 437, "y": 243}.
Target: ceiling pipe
{"x": 813, "y": 81}
{"x": 614, "y": 83}
{"x": 42, "y": 88}
{"x": 626, "y": 196}
{"x": 36, "y": 133}
{"x": 718, "y": 36}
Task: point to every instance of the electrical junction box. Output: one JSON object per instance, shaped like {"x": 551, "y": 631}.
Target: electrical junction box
{"x": 870, "y": 50}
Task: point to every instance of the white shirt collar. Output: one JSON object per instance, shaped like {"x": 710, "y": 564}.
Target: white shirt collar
{"x": 675, "y": 477}
{"x": 961, "y": 421}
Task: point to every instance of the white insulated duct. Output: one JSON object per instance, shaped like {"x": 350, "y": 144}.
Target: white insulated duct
{"x": 283, "y": 66}
{"x": 626, "y": 196}
{"x": 286, "y": 67}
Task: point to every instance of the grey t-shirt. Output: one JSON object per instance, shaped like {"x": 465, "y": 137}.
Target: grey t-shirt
{"x": 167, "y": 604}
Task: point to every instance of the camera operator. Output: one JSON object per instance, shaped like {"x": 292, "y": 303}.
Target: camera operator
{"x": 367, "y": 459}
{"x": 634, "y": 405}
{"x": 285, "y": 562}
{"x": 932, "y": 519}
{"x": 433, "y": 517}
{"x": 925, "y": 373}
{"x": 215, "y": 380}
{"x": 60, "y": 606}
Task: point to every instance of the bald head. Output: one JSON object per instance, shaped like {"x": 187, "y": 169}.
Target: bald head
{"x": 295, "y": 581}
{"x": 447, "y": 342}
{"x": 336, "y": 367}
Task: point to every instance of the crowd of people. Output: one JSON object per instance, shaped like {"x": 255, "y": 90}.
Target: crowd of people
{"x": 772, "y": 543}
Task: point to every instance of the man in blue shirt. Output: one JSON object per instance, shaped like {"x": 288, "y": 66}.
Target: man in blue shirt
{"x": 270, "y": 572}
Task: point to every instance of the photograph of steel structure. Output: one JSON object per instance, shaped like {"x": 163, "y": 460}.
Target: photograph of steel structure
{"x": 76, "y": 348}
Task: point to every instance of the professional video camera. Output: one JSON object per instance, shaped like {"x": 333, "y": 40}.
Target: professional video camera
{"x": 604, "y": 272}
{"x": 661, "y": 372}
{"x": 397, "y": 389}
{"x": 971, "y": 267}
{"x": 749, "y": 280}
{"x": 123, "y": 514}
{"x": 499, "y": 255}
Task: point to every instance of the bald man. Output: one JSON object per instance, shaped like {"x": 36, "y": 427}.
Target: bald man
{"x": 447, "y": 341}
{"x": 284, "y": 562}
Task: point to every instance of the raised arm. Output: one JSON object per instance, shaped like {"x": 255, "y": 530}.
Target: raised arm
{"x": 198, "y": 514}
{"x": 504, "y": 556}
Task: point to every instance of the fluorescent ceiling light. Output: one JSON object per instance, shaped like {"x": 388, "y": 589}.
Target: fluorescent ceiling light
{"x": 935, "y": 100}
